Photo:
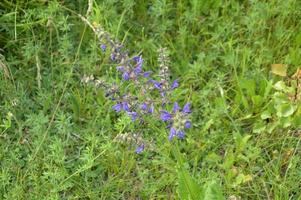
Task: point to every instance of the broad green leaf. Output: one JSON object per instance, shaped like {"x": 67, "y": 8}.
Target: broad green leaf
{"x": 285, "y": 110}
{"x": 212, "y": 191}
{"x": 259, "y": 127}
{"x": 280, "y": 85}
{"x": 188, "y": 189}
{"x": 265, "y": 115}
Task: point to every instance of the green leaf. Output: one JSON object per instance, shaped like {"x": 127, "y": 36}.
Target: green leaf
{"x": 285, "y": 110}
{"x": 212, "y": 191}
{"x": 265, "y": 115}
{"x": 259, "y": 127}
{"x": 280, "y": 85}
{"x": 188, "y": 189}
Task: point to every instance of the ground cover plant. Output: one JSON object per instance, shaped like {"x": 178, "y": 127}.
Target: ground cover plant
{"x": 157, "y": 99}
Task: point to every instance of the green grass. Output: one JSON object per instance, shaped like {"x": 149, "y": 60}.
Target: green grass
{"x": 57, "y": 135}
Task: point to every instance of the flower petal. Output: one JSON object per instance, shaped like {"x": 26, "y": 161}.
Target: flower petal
{"x": 133, "y": 115}
{"x": 165, "y": 116}
{"x": 181, "y": 134}
{"x": 126, "y": 76}
{"x": 117, "y": 107}
{"x": 143, "y": 106}
{"x": 175, "y": 84}
{"x": 187, "y": 124}
{"x": 176, "y": 107}
{"x": 139, "y": 149}
{"x": 103, "y": 47}
{"x": 138, "y": 70}
{"x": 125, "y": 106}
{"x": 172, "y": 133}
{"x": 147, "y": 74}
{"x": 151, "y": 109}
{"x": 186, "y": 108}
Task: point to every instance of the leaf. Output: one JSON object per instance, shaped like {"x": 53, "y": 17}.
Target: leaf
{"x": 285, "y": 110}
{"x": 212, "y": 191}
{"x": 265, "y": 115}
{"x": 259, "y": 127}
{"x": 279, "y": 69}
{"x": 280, "y": 86}
{"x": 188, "y": 188}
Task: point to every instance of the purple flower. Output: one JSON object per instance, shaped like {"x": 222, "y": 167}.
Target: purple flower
{"x": 113, "y": 57}
{"x": 143, "y": 106}
{"x": 137, "y": 59}
{"x": 174, "y": 85}
{"x": 187, "y": 124}
{"x": 151, "y": 109}
{"x": 138, "y": 70}
{"x": 157, "y": 84}
{"x": 181, "y": 134}
{"x": 125, "y": 106}
{"x": 147, "y": 74}
{"x": 172, "y": 133}
{"x": 126, "y": 76}
{"x": 186, "y": 108}
{"x": 139, "y": 149}
{"x": 117, "y": 107}
{"x": 103, "y": 47}
{"x": 176, "y": 107}
{"x": 165, "y": 116}
{"x": 133, "y": 115}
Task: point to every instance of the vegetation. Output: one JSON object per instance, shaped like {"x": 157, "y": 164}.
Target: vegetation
{"x": 237, "y": 62}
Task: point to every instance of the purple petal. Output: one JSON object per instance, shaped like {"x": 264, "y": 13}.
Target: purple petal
{"x": 103, "y": 47}
{"x": 126, "y": 76}
{"x": 151, "y": 109}
{"x": 157, "y": 85}
{"x": 117, "y": 107}
{"x": 138, "y": 70}
{"x": 147, "y": 74}
{"x": 187, "y": 124}
{"x": 113, "y": 57}
{"x": 176, "y": 107}
{"x": 125, "y": 106}
{"x": 186, "y": 108}
{"x": 143, "y": 106}
{"x": 175, "y": 84}
{"x": 133, "y": 115}
{"x": 172, "y": 133}
{"x": 181, "y": 134}
{"x": 137, "y": 59}
{"x": 165, "y": 116}
{"x": 139, "y": 149}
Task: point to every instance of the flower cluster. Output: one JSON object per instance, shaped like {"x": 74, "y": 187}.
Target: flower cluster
{"x": 178, "y": 120}
{"x": 139, "y": 93}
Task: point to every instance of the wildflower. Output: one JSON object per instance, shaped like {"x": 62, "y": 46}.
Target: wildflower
{"x": 178, "y": 120}
{"x": 174, "y": 85}
{"x": 133, "y": 115}
{"x": 117, "y": 107}
{"x": 129, "y": 72}
{"x": 103, "y": 47}
{"x": 147, "y": 107}
{"x": 139, "y": 149}
{"x": 121, "y": 106}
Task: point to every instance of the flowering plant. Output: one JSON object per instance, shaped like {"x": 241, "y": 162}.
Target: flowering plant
{"x": 139, "y": 93}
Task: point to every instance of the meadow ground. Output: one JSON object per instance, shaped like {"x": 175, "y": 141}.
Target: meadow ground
{"x": 236, "y": 62}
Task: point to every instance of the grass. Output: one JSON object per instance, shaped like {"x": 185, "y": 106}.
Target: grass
{"x": 57, "y": 135}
